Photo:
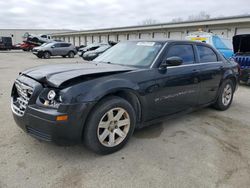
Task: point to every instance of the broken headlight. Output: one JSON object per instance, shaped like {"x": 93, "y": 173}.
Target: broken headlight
{"x": 51, "y": 98}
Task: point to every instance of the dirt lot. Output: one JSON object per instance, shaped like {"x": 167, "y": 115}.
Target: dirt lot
{"x": 207, "y": 148}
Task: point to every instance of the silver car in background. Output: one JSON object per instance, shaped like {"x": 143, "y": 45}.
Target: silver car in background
{"x": 55, "y": 49}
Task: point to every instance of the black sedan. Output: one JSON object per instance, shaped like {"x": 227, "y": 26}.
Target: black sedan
{"x": 89, "y": 56}
{"x": 133, "y": 84}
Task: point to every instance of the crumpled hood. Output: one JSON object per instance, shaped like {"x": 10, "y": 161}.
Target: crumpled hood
{"x": 55, "y": 75}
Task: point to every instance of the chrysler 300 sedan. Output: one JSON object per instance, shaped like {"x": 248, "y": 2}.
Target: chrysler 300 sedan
{"x": 133, "y": 84}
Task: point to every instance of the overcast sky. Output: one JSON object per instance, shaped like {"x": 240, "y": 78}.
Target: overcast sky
{"x": 92, "y": 14}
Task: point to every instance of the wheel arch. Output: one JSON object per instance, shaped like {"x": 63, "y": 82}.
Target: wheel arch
{"x": 129, "y": 95}
{"x": 71, "y": 51}
{"x": 47, "y": 51}
{"x": 126, "y": 94}
{"x": 229, "y": 74}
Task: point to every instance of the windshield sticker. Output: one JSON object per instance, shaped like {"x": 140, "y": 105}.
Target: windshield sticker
{"x": 145, "y": 43}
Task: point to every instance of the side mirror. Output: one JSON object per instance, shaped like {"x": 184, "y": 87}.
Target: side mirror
{"x": 171, "y": 61}
{"x": 52, "y": 46}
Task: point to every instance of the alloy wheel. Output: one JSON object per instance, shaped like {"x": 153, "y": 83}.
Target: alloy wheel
{"x": 227, "y": 95}
{"x": 113, "y": 127}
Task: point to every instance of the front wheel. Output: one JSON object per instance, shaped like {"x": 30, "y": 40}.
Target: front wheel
{"x": 110, "y": 125}
{"x": 225, "y": 97}
{"x": 46, "y": 55}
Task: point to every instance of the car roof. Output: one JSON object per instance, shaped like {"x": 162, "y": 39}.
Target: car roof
{"x": 57, "y": 42}
{"x": 167, "y": 41}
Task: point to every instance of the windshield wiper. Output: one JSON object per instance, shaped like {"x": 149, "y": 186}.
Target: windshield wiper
{"x": 107, "y": 62}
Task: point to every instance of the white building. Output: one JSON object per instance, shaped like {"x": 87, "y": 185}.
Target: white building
{"x": 227, "y": 27}
{"x": 17, "y": 34}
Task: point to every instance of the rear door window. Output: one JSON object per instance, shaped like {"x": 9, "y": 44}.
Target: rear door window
{"x": 206, "y": 54}
{"x": 58, "y": 45}
{"x": 184, "y": 51}
{"x": 65, "y": 44}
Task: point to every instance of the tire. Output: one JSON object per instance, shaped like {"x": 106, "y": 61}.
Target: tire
{"x": 46, "y": 55}
{"x": 71, "y": 54}
{"x": 102, "y": 127}
{"x": 226, "y": 94}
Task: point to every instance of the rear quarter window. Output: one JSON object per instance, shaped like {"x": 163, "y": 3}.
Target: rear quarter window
{"x": 206, "y": 54}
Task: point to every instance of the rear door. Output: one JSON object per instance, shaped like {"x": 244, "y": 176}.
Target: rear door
{"x": 211, "y": 71}
{"x": 56, "y": 50}
{"x": 65, "y": 48}
{"x": 177, "y": 89}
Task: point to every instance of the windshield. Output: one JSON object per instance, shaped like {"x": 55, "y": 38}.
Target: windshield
{"x": 102, "y": 48}
{"x": 221, "y": 43}
{"x": 131, "y": 53}
{"x": 92, "y": 45}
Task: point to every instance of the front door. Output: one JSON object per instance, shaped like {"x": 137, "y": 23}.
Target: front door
{"x": 178, "y": 86}
{"x": 57, "y": 49}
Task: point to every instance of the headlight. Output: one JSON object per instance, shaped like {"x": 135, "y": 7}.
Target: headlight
{"x": 51, "y": 98}
{"x": 51, "y": 95}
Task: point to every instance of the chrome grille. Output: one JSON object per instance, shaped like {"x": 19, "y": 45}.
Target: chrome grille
{"x": 21, "y": 97}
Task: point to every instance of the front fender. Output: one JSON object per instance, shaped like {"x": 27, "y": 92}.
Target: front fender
{"x": 95, "y": 90}
{"x": 231, "y": 74}
{"x": 109, "y": 86}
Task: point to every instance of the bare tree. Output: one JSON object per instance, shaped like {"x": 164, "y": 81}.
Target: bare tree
{"x": 200, "y": 16}
{"x": 149, "y": 21}
{"x": 176, "y": 20}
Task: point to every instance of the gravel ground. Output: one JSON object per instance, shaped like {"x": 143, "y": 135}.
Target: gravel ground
{"x": 206, "y": 148}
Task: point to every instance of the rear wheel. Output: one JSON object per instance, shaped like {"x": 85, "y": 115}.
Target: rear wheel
{"x": 110, "y": 125}
{"x": 225, "y": 97}
{"x": 71, "y": 54}
{"x": 46, "y": 55}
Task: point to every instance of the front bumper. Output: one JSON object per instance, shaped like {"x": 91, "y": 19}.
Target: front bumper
{"x": 37, "y": 53}
{"x": 41, "y": 123}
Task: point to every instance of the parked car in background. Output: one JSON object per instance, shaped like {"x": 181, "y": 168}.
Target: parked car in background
{"x": 133, "y": 84}
{"x": 241, "y": 44}
{"x": 55, "y": 49}
{"x": 37, "y": 39}
{"x": 90, "y": 47}
{"x": 17, "y": 46}
{"x": 223, "y": 45}
{"x": 90, "y": 55}
{"x": 26, "y": 46}
{"x": 79, "y": 47}
{"x": 5, "y": 43}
